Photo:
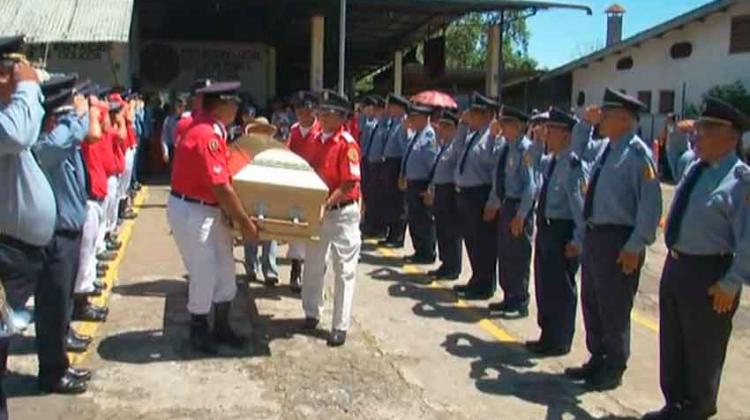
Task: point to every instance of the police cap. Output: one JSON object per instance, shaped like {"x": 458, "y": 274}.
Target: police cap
{"x": 560, "y": 118}
{"x": 617, "y": 99}
{"x": 332, "y": 101}
{"x": 225, "y": 91}
{"x": 399, "y": 100}
{"x": 420, "y": 109}
{"x": 715, "y": 110}
{"x": 509, "y": 113}
{"x": 481, "y": 102}
{"x": 304, "y": 99}
{"x": 448, "y": 116}
{"x": 56, "y": 83}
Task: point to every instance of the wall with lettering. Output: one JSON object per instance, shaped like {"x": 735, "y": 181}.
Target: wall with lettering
{"x": 173, "y": 66}
{"x": 104, "y": 63}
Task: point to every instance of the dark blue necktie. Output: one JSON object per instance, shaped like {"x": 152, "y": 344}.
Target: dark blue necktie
{"x": 469, "y": 145}
{"x": 500, "y": 179}
{"x": 409, "y": 149}
{"x": 443, "y": 148}
{"x": 588, "y": 205}
{"x": 545, "y": 187}
{"x": 371, "y": 137}
{"x": 674, "y": 223}
{"x": 387, "y": 137}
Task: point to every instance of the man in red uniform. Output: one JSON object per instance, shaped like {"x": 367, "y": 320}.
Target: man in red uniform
{"x": 202, "y": 195}
{"x": 337, "y": 163}
{"x": 183, "y": 125}
{"x": 302, "y": 141}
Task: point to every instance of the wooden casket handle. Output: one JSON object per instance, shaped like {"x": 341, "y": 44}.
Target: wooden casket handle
{"x": 279, "y": 222}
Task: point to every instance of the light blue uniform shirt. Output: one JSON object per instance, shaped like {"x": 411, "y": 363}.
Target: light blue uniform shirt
{"x": 481, "y": 158}
{"x": 418, "y": 165}
{"x": 521, "y": 180}
{"x": 27, "y": 205}
{"x": 377, "y": 141}
{"x": 717, "y": 218}
{"x": 59, "y": 155}
{"x": 396, "y": 139}
{"x": 687, "y": 158}
{"x": 628, "y": 192}
{"x": 565, "y": 193}
{"x": 367, "y": 127}
{"x": 445, "y": 169}
{"x": 582, "y": 143}
{"x": 677, "y": 144}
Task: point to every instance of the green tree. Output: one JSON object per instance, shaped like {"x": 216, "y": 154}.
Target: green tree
{"x": 466, "y": 42}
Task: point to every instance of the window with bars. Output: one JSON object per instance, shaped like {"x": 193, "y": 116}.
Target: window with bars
{"x": 739, "y": 41}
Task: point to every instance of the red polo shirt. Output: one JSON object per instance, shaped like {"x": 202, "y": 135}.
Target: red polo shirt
{"x": 118, "y": 151}
{"x": 184, "y": 124}
{"x": 337, "y": 161}
{"x": 304, "y": 146}
{"x": 94, "y": 158}
{"x": 200, "y": 160}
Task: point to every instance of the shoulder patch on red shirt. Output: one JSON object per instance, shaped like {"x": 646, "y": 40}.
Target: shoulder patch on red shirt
{"x": 353, "y": 155}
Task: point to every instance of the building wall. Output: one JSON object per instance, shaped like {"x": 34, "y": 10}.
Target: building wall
{"x": 654, "y": 70}
{"x": 105, "y": 63}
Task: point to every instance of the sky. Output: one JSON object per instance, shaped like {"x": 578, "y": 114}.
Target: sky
{"x": 559, "y": 35}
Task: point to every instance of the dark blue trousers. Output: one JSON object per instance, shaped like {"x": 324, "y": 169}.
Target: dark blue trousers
{"x": 480, "y": 238}
{"x": 420, "y": 219}
{"x": 54, "y": 304}
{"x": 607, "y": 295}
{"x": 393, "y": 200}
{"x": 514, "y": 253}
{"x": 448, "y": 228}
{"x": 555, "y": 282}
{"x": 21, "y": 265}
{"x": 374, "y": 220}
{"x": 693, "y": 338}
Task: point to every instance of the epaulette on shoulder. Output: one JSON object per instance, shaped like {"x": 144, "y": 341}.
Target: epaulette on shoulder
{"x": 218, "y": 130}
{"x": 742, "y": 172}
{"x": 575, "y": 161}
{"x": 638, "y": 145}
{"x": 347, "y": 137}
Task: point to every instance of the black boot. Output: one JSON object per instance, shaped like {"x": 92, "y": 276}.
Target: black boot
{"x": 223, "y": 332}
{"x": 200, "y": 335}
{"x": 295, "y": 278}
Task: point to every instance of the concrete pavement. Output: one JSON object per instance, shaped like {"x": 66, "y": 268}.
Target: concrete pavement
{"x": 415, "y": 352}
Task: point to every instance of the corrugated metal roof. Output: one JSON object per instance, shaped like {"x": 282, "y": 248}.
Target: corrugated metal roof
{"x": 67, "y": 20}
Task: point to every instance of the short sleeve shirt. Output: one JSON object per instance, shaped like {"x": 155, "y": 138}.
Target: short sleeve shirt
{"x": 201, "y": 161}
{"x": 304, "y": 145}
{"x": 337, "y": 161}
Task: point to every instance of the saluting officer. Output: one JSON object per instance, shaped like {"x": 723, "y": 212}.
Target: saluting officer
{"x": 622, "y": 209}
{"x": 477, "y": 158}
{"x": 441, "y": 196}
{"x": 392, "y": 199}
{"x": 559, "y": 237}
{"x": 27, "y": 216}
{"x": 419, "y": 158}
{"x": 201, "y": 196}
{"x": 514, "y": 191}
{"x": 708, "y": 237}
{"x": 337, "y": 164}
{"x": 370, "y": 125}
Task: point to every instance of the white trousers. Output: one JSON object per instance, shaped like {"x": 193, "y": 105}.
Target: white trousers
{"x": 296, "y": 251}
{"x": 127, "y": 175}
{"x": 340, "y": 239}
{"x": 111, "y": 203}
{"x": 205, "y": 244}
{"x": 92, "y": 230}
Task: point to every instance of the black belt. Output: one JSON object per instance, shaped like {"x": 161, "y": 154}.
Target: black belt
{"x": 607, "y": 226}
{"x": 17, "y": 243}
{"x": 512, "y": 200}
{"x": 477, "y": 189}
{"x": 549, "y": 221}
{"x": 341, "y": 205}
{"x": 676, "y": 255}
{"x": 183, "y": 197}
{"x": 67, "y": 233}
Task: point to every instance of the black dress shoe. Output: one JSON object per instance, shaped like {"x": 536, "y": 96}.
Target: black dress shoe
{"x": 129, "y": 215}
{"x": 100, "y": 284}
{"x": 393, "y": 245}
{"x": 295, "y": 276}
{"x": 272, "y": 281}
{"x": 604, "y": 379}
{"x": 223, "y": 331}
{"x": 418, "y": 259}
{"x": 506, "y": 306}
{"x": 668, "y": 412}
{"x": 74, "y": 345}
{"x": 545, "y": 349}
{"x": 310, "y": 323}
{"x": 114, "y": 243}
{"x": 80, "y": 374}
{"x": 68, "y": 385}
{"x": 107, "y": 256}
{"x": 478, "y": 295}
{"x": 534, "y": 346}
{"x": 584, "y": 371}
{"x": 89, "y": 313}
{"x": 102, "y": 266}
{"x": 201, "y": 338}
{"x": 100, "y": 274}
{"x": 337, "y": 338}
{"x": 437, "y": 272}
{"x": 295, "y": 285}
{"x": 81, "y": 337}
{"x": 94, "y": 293}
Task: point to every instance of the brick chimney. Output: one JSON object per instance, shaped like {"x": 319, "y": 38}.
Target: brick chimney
{"x": 614, "y": 23}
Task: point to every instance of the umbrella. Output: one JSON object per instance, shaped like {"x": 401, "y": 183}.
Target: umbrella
{"x": 435, "y": 98}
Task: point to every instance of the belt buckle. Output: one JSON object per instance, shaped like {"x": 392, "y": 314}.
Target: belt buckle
{"x": 674, "y": 254}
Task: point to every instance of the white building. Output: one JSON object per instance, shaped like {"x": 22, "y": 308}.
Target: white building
{"x": 670, "y": 66}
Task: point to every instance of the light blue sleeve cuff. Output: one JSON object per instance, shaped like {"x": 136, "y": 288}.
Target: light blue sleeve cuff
{"x": 635, "y": 245}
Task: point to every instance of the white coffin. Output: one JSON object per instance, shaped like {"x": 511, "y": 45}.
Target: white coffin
{"x": 279, "y": 189}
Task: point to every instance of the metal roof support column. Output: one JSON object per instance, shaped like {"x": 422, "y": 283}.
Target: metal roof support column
{"x": 317, "y": 43}
{"x": 342, "y": 46}
{"x": 398, "y": 72}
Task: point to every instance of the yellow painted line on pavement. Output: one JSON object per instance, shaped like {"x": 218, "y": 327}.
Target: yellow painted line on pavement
{"x": 91, "y": 328}
{"x": 645, "y": 321}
